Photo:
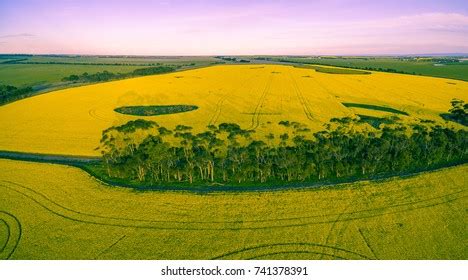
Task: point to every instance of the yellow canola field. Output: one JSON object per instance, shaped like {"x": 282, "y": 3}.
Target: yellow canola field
{"x": 60, "y": 212}
{"x": 70, "y": 121}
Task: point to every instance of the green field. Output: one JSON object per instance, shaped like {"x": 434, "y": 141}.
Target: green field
{"x": 424, "y": 67}
{"x": 135, "y": 60}
{"x": 36, "y": 74}
{"x": 60, "y": 212}
{"x": 37, "y": 70}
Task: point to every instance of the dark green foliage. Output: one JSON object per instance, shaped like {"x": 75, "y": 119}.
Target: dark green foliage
{"x": 182, "y": 127}
{"x": 374, "y": 107}
{"x": 211, "y": 157}
{"x": 109, "y": 76}
{"x": 375, "y": 121}
{"x": 72, "y": 78}
{"x": 152, "y": 70}
{"x": 155, "y": 110}
{"x": 13, "y": 61}
{"x": 96, "y": 77}
{"x": 458, "y": 113}
{"x": 131, "y": 126}
{"x": 329, "y": 70}
{"x": 345, "y": 120}
{"x": 10, "y": 93}
{"x": 233, "y": 59}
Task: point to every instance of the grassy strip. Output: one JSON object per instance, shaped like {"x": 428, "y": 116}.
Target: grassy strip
{"x": 155, "y": 110}
{"x": 374, "y": 107}
{"x": 45, "y": 158}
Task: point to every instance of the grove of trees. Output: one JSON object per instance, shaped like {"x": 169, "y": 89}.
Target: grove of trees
{"x": 458, "y": 113}
{"x": 10, "y": 93}
{"x": 142, "y": 151}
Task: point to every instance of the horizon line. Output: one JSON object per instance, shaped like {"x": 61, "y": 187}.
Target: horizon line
{"x": 242, "y": 55}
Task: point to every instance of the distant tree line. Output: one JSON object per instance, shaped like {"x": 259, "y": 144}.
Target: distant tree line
{"x": 142, "y": 151}
{"x": 13, "y": 61}
{"x": 108, "y": 76}
{"x": 26, "y": 61}
{"x": 262, "y": 58}
{"x": 233, "y": 59}
{"x": 10, "y": 93}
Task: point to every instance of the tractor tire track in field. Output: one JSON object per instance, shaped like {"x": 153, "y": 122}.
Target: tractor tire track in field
{"x": 334, "y": 224}
{"x": 267, "y": 224}
{"x": 110, "y": 247}
{"x": 304, "y": 102}
{"x": 367, "y": 244}
{"x": 261, "y": 102}
{"x": 255, "y": 122}
{"x": 14, "y": 234}
{"x": 340, "y": 227}
{"x": 291, "y": 248}
{"x": 7, "y": 233}
{"x": 93, "y": 113}
{"x": 78, "y": 216}
{"x": 261, "y": 257}
{"x": 333, "y": 97}
{"x": 220, "y": 103}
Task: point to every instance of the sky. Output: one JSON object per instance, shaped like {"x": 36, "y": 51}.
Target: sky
{"x": 237, "y": 27}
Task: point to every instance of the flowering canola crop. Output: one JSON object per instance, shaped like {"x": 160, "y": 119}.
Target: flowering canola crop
{"x": 70, "y": 121}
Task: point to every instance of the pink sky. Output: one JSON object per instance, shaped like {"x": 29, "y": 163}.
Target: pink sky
{"x": 240, "y": 27}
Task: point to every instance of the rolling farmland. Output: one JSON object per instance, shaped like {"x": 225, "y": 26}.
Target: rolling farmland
{"x": 70, "y": 121}
{"x": 45, "y": 207}
{"x": 233, "y": 139}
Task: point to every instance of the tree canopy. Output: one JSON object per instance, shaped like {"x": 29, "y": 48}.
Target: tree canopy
{"x": 144, "y": 151}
